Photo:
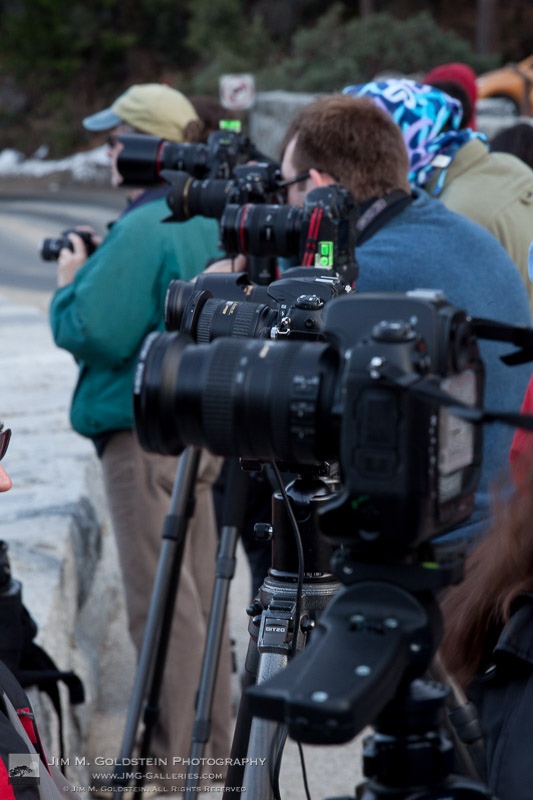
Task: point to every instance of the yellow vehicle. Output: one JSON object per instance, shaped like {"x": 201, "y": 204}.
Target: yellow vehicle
{"x": 512, "y": 83}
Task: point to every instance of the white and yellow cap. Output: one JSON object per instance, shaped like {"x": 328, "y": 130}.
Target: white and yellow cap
{"x": 151, "y": 108}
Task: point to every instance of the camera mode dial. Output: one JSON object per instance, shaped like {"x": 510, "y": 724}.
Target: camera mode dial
{"x": 393, "y": 331}
{"x": 309, "y": 302}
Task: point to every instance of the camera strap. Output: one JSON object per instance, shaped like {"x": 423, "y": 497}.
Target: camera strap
{"x": 434, "y": 394}
{"x": 311, "y": 243}
{"x": 374, "y": 214}
{"x": 520, "y": 335}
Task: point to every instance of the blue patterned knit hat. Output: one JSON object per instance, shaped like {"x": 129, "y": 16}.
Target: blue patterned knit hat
{"x": 428, "y": 119}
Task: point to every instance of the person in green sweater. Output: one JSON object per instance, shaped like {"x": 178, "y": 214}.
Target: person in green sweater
{"x": 105, "y": 306}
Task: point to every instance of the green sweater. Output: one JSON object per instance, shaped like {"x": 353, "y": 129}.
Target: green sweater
{"x": 496, "y": 191}
{"x": 116, "y": 299}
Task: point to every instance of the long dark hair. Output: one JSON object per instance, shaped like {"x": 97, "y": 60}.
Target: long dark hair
{"x": 498, "y": 571}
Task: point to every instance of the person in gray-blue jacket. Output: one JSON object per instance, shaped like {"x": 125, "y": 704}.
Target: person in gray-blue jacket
{"x": 411, "y": 241}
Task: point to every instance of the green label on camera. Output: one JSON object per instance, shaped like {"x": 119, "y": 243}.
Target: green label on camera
{"x": 231, "y": 125}
{"x": 324, "y": 256}
{"x": 357, "y": 501}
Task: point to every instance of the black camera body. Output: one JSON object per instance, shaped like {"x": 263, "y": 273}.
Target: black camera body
{"x": 49, "y": 249}
{"x": 369, "y": 398}
{"x": 230, "y": 305}
{"x": 144, "y": 158}
{"x": 409, "y": 467}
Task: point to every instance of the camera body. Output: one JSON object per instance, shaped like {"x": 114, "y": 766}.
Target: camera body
{"x": 409, "y": 467}
{"x": 230, "y": 305}
{"x": 369, "y": 397}
{"x": 49, "y": 249}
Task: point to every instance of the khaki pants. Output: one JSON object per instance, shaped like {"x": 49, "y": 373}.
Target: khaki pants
{"x": 139, "y": 486}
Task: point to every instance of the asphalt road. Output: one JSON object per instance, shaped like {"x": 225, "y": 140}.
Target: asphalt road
{"x": 26, "y": 217}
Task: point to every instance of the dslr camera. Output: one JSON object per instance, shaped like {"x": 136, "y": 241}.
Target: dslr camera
{"x": 250, "y": 183}
{"x": 49, "y": 249}
{"x": 322, "y": 233}
{"x": 371, "y": 397}
{"x": 144, "y": 159}
{"x": 230, "y": 305}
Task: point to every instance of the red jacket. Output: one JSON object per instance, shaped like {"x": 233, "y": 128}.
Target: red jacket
{"x": 521, "y": 453}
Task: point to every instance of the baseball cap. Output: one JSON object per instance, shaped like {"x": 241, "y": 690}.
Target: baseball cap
{"x": 151, "y": 108}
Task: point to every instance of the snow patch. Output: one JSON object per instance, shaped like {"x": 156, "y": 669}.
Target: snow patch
{"x": 84, "y": 166}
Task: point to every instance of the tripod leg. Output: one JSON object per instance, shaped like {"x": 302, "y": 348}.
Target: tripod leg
{"x": 241, "y": 737}
{"x": 234, "y": 506}
{"x": 265, "y": 737}
{"x": 157, "y": 630}
{"x": 272, "y": 631}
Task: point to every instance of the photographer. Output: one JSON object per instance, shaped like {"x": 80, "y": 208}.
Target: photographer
{"x": 457, "y": 165}
{"x": 408, "y": 240}
{"x": 53, "y": 785}
{"x": 104, "y": 307}
{"x": 488, "y": 643}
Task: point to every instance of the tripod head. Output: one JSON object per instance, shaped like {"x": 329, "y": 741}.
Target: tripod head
{"x": 378, "y": 634}
{"x": 363, "y": 666}
{"x": 307, "y": 493}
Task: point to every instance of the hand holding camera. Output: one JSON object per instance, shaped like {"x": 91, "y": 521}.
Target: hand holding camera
{"x": 71, "y": 250}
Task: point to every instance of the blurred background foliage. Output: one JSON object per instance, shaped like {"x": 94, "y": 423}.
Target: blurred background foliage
{"x": 63, "y": 59}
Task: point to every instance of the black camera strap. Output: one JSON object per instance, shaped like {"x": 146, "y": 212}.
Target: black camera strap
{"x": 520, "y": 335}
{"x": 374, "y": 214}
{"x": 433, "y": 393}
{"x": 469, "y": 413}
{"x": 371, "y": 216}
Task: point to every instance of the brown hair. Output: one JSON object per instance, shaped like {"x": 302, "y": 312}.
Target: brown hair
{"x": 211, "y": 114}
{"x": 500, "y": 569}
{"x": 354, "y": 141}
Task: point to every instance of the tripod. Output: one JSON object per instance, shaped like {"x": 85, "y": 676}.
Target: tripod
{"x": 363, "y": 665}
{"x": 232, "y": 518}
{"x": 158, "y": 624}
{"x": 280, "y": 621}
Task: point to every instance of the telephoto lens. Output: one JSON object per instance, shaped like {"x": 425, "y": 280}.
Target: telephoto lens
{"x": 143, "y": 158}
{"x": 205, "y": 318}
{"x": 251, "y": 183}
{"x": 227, "y": 286}
{"x": 49, "y": 249}
{"x": 291, "y": 307}
{"x": 251, "y": 398}
{"x": 189, "y": 196}
{"x": 265, "y": 230}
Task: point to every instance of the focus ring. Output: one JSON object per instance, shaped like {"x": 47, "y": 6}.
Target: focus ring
{"x": 218, "y": 401}
{"x": 205, "y": 320}
{"x": 242, "y": 324}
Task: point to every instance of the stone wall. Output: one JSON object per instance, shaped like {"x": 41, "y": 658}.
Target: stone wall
{"x": 55, "y": 518}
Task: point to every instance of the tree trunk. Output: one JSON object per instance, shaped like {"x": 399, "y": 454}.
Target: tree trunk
{"x": 486, "y": 26}
{"x": 366, "y": 8}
